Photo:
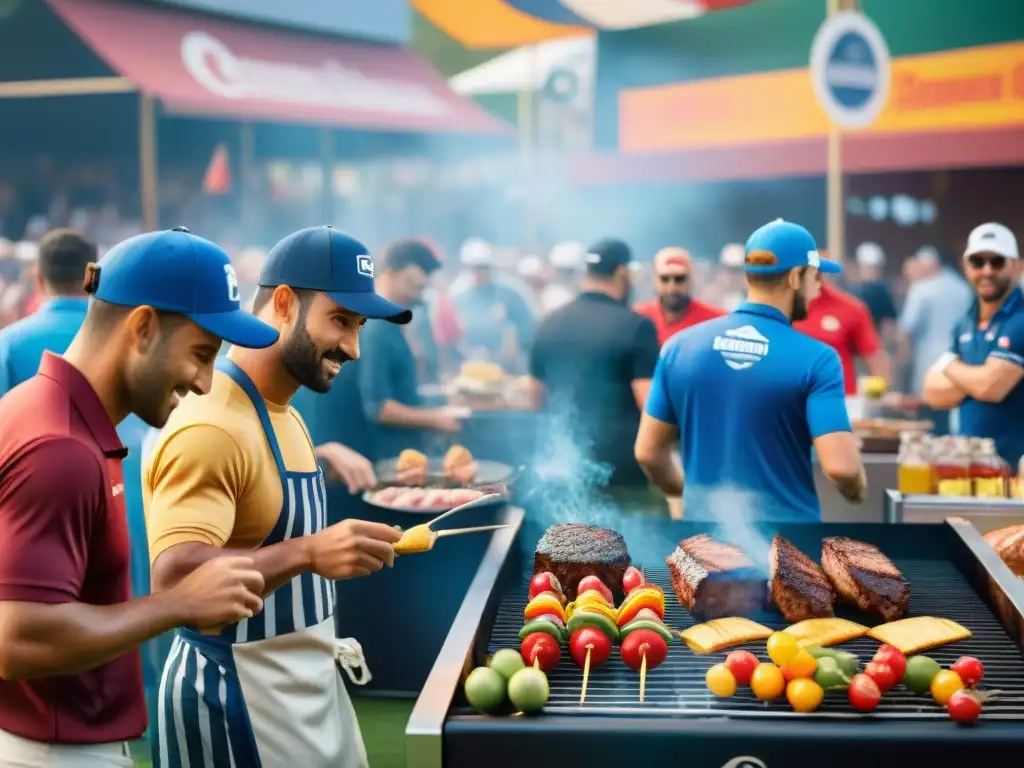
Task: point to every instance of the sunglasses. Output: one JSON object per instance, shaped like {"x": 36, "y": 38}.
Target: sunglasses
{"x": 674, "y": 279}
{"x": 978, "y": 262}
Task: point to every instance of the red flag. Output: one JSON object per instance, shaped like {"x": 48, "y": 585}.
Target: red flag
{"x": 217, "y": 180}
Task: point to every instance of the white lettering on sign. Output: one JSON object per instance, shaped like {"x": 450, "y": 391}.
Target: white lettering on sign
{"x": 219, "y": 70}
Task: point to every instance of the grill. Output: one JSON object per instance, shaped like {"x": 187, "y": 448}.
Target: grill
{"x": 677, "y": 686}
{"x": 952, "y": 572}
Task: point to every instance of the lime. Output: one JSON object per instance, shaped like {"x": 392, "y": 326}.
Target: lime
{"x": 921, "y": 670}
{"x": 507, "y": 662}
{"x": 528, "y": 689}
{"x": 485, "y": 689}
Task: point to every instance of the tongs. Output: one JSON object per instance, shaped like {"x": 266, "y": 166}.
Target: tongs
{"x": 421, "y": 538}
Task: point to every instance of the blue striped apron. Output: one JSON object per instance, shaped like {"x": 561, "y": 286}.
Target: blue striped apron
{"x": 265, "y": 692}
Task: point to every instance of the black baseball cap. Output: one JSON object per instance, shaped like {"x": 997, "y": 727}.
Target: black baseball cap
{"x": 607, "y": 255}
{"x": 330, "y": 262}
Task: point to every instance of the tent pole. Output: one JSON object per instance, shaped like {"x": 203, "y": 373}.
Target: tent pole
{"x": 327, "y": 161}
{"x": 527, "y": 124}
{"x": 147, "y": 162}
{"x": 836, "y": 207}
{"x": 245, "y": 168}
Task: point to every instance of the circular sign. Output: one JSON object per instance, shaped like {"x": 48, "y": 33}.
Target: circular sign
{"x": 850, "y": 69}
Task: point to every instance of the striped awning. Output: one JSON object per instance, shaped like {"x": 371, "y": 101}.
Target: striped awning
{"x": 508, "y": 23}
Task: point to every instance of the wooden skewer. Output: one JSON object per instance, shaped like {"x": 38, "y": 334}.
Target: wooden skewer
{"x": 536, "y": 662}
{"x": 586, "y": 674}
{"x": 476, "y": 529}
{"x": 643, "y": 672}
{"x": 479, "y": 502}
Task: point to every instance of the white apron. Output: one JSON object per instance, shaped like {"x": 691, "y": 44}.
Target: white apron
{"x": 16, "y": 752}
{"x": 266, "y": 692}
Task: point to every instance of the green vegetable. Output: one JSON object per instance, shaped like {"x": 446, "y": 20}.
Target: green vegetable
{"x": 654, "y": 626}
{"x": 506, "y": 662}
{"x": 829, "y": 676}
{"x": 528, "y": 690}
{"x": 846, "y": 661}
{"x": 921, "y": 670}
{"x": 485, "y": 689}
{"x": 581, "y": 618}
{"x": 547, "y": 624}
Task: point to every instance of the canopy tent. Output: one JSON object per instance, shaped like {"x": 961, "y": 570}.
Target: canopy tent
{"x": 528, "y": 67}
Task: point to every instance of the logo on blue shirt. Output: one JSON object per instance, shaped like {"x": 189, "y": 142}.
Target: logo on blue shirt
{"x": 742, "y": 347}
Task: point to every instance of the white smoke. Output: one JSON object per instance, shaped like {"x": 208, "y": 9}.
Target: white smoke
{"x": 733, "y": 511}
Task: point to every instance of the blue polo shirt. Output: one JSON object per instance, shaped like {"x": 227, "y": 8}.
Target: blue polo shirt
{"x": 749, "y": 395}
{"x": 1002, "y": 338}
{"x": 51, "y": 327}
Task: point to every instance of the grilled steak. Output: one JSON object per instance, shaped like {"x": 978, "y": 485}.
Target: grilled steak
{"x": 865, "y": 577}
{"x": 798, "y": 586}
{"x": 712, "y": 580}
{"x": 572, "y": 551}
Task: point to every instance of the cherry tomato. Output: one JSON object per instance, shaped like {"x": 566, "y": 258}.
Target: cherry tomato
{"x": 742, "y": 665}
{"x": 883, "y": 675}
{"x": 945, "y": 684}
{"x": 963, "y": 707}
{"x": 864, "y": 693}
{"x": 544, "y": 582}
{"x": 542, "y": 647}
{"x": 601, "y": 646}
{"x": 641, "y": 642}
{"x": 802, "y": 665}
{"x": 804, "y": 695}
{"x": 970, "y": 670}
{"x": 894, "y": 658}
{"x": 592, "y": 582}
{"x": 767, "y": 682}
{"x": 631, "y": 579}
{"x": 720, "y": 681}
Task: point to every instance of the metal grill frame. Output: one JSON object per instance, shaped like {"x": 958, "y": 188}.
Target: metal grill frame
{"x": 709, "y": 738}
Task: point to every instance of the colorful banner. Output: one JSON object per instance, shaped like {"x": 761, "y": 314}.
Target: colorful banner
{"x": 968, "y": 88}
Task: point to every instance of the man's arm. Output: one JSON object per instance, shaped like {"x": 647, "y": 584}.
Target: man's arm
{"x": 869, "y": 347}
{"x": 829, "y": 425}
{"x": 658, "y": 436}
{"x": 643, "y": 362}
{"x": 1003, "y": 370}
{"x": 939, "y": 392}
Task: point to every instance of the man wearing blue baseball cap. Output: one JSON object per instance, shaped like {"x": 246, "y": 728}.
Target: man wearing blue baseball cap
{"x": 71, "y": 689}
{"x": 237, "y": 472}
{"x": 748, "y": 397}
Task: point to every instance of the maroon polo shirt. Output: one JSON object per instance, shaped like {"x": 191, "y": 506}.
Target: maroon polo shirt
{"x": 64, "y": 539}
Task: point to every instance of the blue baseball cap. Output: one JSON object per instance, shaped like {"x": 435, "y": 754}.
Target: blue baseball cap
{"x": 332, "y": 263}
{"x": 791, "y": 245}
{"x": 175, "y": 271}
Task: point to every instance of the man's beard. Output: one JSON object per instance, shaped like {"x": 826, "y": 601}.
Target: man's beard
{"x": 1000, "y": 290}
{"x": 799, "y": 308}
{"x": 304, "y": 362}
{"x": 675, "y": 302}
{"x": 149, "y": 389}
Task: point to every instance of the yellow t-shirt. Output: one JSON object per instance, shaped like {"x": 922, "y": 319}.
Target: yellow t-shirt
{"x": 211, "y": 477}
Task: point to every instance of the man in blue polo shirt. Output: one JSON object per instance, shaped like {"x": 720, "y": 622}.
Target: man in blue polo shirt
{"x": 747, "y": 396}
{"x": 983, "y": 369}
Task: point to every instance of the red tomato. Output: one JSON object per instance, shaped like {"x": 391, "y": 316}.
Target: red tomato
{"x": 542, "y": 647}
{"x": 970, "y": 670}
{"x": 592, "y": 582}
{"x": 601, "y": 646}
{"x": 883, "y": 675}
{"x": 643, "y": 642}
{"x": 741, "y": 664}
{"x": 631, "y": 579}
{"x": 894, "y": 658}
{"x": 864, "y": 693}
{"x": 544, "y": 582}
{"x": 963, "y": 707}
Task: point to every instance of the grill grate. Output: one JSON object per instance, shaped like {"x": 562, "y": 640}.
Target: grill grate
{"x": 677, "y": 686}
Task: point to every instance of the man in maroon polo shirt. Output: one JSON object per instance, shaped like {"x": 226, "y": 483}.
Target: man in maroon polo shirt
{"x": 70, "y": 676}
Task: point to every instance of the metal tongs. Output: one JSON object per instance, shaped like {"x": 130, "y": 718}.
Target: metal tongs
{"x": 421, "y": 538}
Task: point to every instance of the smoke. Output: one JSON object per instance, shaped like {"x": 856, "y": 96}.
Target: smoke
{"x": 734, "y": 512}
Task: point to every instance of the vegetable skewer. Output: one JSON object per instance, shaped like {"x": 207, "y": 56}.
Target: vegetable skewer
{"x": 591, "y": 626}
{"x": 644, "y": 638}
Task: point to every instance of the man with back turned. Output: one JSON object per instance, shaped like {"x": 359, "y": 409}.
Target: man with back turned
{"x": 747, "y": 396}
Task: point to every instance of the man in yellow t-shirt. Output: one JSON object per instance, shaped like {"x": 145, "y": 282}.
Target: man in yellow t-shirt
{"x": 236, "y": 471}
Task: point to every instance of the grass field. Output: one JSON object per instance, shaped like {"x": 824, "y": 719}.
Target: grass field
{"x": 381, "y": 720}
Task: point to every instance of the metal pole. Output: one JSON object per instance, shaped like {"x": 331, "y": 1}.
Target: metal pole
{"x": 245, "y": 164}
{"x": 147, "y": 162}
{"x": 327, "y": 160}
{"x": 527, "y": 106}
{"x": 836, "y": 208}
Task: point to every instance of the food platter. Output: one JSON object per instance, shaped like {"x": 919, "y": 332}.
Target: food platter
{"x": 487, "y": 473}
{"x": 447, "y": 498}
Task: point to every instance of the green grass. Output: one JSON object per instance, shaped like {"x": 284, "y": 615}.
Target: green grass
{"x": 381, "y": 720}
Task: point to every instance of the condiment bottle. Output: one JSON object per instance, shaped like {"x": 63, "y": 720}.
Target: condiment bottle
{"x": 953, "y": 469}
{"x": 991, "y": 475}
{"x": 914, "y": 474}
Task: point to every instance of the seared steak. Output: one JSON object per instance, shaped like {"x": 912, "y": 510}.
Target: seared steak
{"x": 865, "y": 577}
{"x": 572, "y": 551}
{"x": 798, "y": 586}
{"x": 713, "y": 580}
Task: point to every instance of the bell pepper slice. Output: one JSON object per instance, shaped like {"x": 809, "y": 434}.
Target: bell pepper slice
{"x": 654, "y": 626}
{"x": 586, "y": 617}
{"x": 547, "y": 624}
{"x": 611, "y": 613}
{"x": 592, "y": 596}
{"x": 542, "y": 604}
{"x": 638, "y": 600}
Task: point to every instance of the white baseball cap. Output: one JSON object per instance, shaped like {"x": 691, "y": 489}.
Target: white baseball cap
{"x": 733, "y": 255}
{"x": 870, "y": 255}
{"x": 476, "y": 252}
{"x": 567, "y": 255}
{"x": 992, "y": 238}
{"x": 531, "y": 266}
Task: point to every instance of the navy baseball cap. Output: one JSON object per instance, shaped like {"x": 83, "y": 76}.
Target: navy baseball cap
{"x": 175, "y": 271}
{"x": 791, "y": 245}
{"x": 607, "y": 255}
{"x": 332, "y": 263}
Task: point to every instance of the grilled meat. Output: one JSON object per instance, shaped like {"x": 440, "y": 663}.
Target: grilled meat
{"x": 572, "y": 551}
{"x": 865, "y": 577}
{"x": 1009, "y": 545}
{"x": 798, "y": 586}
{"x": 712, "y": 579}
